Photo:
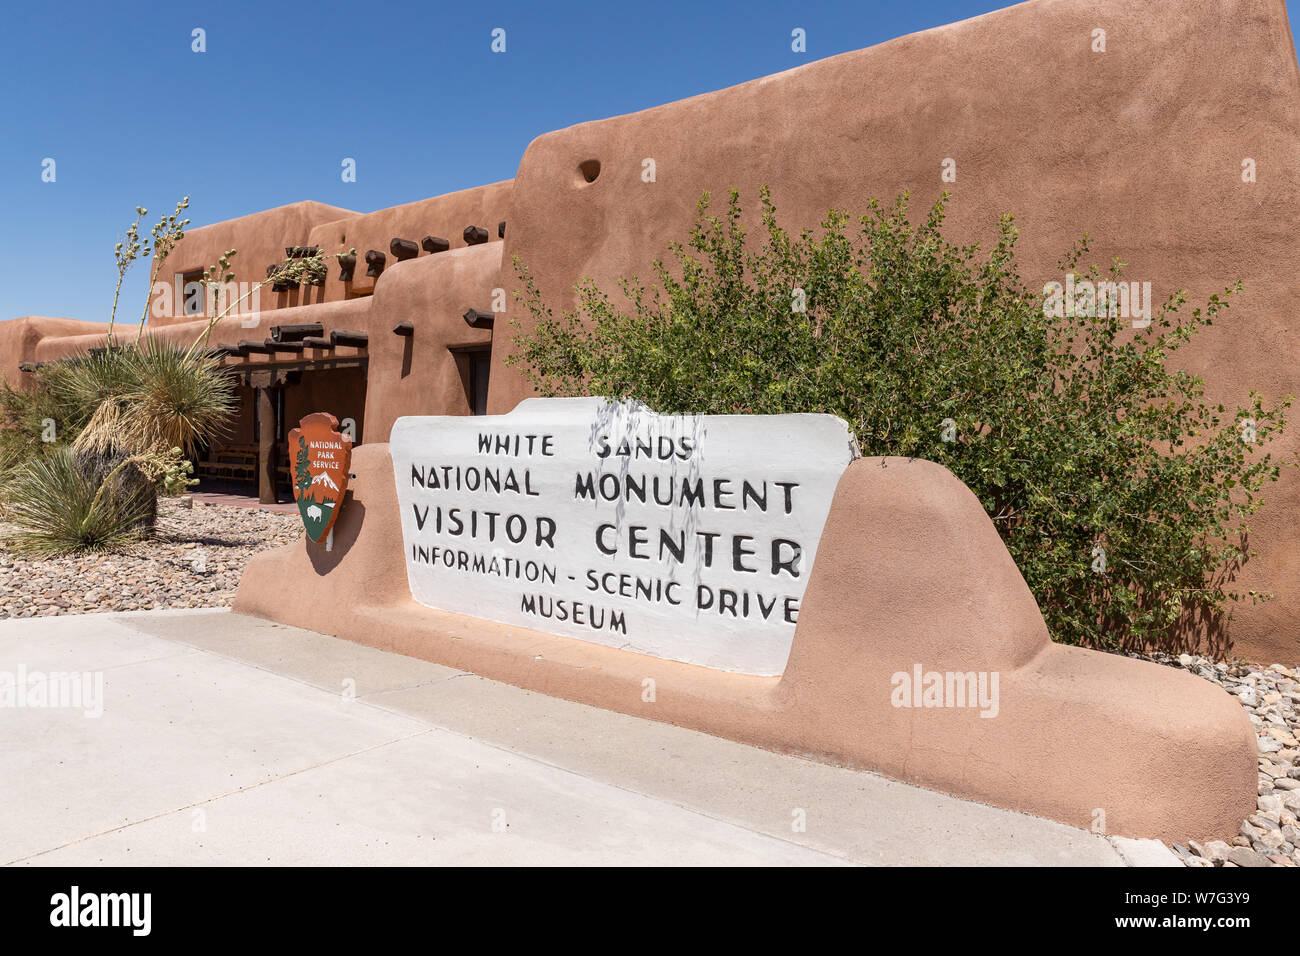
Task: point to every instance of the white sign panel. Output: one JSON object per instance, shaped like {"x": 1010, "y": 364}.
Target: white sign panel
{"x": 688, "y": 537}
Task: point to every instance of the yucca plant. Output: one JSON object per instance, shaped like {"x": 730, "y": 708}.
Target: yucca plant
{"x": 134, "y": 414}
{"x": 85, "y": 452}
{"x": 61, "y": 503}
{"x": 152, "y": 397}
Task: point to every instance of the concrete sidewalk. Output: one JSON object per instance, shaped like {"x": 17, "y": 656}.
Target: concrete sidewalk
{"x": 226, "y": 739}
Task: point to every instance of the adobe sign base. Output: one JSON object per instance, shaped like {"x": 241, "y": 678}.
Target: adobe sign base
{"x": 910, "y": 573}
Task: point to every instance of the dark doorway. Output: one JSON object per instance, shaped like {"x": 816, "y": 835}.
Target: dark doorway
{"x": 475, "y": 366}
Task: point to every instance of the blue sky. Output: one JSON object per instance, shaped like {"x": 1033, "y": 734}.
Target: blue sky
{"x": 132, "y": 116}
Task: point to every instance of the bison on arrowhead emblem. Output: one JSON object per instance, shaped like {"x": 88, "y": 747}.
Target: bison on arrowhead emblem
{"x": 321, "y": 458}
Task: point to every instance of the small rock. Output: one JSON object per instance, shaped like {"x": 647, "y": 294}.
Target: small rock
{"x": 1241, "y": 856}
{"x": 1285, "y": 736}
{"x": 1272, "y": 839}
{"x": 1216, "y": 851}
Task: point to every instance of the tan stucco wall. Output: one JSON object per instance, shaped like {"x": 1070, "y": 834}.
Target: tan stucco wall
{"x": 1140, "y": 146}
{"x": 405, "y": 375}
{"x": 20, "y": 340}
{"x": 259, "y": 240}
{"x": 445, "y": 216}
{"x": 910, "y": 570}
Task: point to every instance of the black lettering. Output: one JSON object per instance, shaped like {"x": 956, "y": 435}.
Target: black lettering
{"x": 726, "y": 601}
{"x": 792, "y": 610}
{"x": 791, "y": 566}
{"x": 747, "y": 493}
{"x": 546, "y": 533}
{"x": 788, "y": 487}
{"x": 516, "y": 522}
{"x": 676, "y": 549}
{"x": 738, "y": 551}
{"x": 718, "y": 492}
{"x": 701, "y": 592}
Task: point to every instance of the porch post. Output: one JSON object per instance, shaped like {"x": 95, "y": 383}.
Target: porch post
{"x": 266, "y": 445}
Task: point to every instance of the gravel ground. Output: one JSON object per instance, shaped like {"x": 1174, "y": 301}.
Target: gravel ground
{"x": 200, "y": 552}
{"x": 1271, "y": 696}
{"x": 195, "y": 561}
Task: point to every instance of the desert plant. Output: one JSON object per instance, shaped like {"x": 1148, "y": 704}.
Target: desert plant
{"x": 1121, "y": 493}
{"x": 31, "y": 423}
{"x": 99, "y": 434}
{"x": 153, "y": 396}
{"x": 62, "y": 503}
{"x": 168, "y": 231}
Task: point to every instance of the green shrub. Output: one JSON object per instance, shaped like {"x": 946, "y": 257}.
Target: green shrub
{"x": 30, "y": 422}
{"x": 1080, "y": 442}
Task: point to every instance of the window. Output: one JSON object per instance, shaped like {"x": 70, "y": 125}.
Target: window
{"x": 474, "y": 362}
{"x": 193, "y": 298}
{"x": 480, "y": 368}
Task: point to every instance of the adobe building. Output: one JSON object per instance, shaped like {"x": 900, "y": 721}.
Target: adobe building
{"x": 1131, "y": 139}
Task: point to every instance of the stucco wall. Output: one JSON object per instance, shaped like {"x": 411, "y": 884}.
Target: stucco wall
{"x": 259, "y": 240}
{"x": 1140, "y": 146}
{"x": 406, "y": 375}
{"x": 445, "y": 216}
{"x": 910, "y": 572}
{"x": 20, "y": 340}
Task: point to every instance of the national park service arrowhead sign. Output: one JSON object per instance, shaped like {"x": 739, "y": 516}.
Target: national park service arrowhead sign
{"x": 687, "y": 537}
{"x": 321, "y": 456}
